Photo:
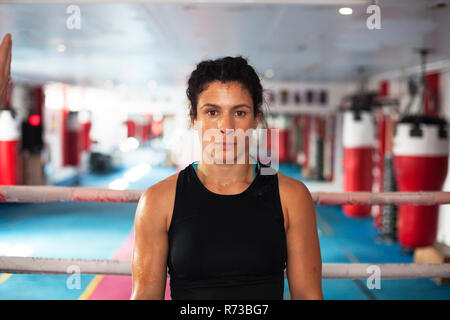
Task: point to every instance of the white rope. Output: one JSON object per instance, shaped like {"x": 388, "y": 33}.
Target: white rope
{"x": 43, "y": 194}
{"x": 64, "y": 266}
{"x": 34, "y": 265}
{"x": 385, "y": 270}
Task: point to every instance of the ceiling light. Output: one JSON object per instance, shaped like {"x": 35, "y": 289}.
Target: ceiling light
{"x": 269, "y": 73}
{"x": 345, "y": 11}
{"x": 61, "y": 48}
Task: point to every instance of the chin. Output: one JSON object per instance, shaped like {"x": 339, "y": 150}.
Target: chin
{"x": 230, "y": 157}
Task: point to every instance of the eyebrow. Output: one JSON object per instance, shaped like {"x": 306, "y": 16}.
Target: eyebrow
{"x": 218, "y": 107}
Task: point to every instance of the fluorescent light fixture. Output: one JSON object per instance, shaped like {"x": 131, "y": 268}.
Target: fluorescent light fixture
{"x": 345, "y": 11}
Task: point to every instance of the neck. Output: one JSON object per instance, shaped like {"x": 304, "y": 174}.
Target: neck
{"x": 225, "y": 174}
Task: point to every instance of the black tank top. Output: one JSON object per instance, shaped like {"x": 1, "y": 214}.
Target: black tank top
{"x": 227, "y": 246}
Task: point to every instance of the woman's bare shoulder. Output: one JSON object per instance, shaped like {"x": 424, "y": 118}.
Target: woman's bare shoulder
{"x": 162, "y": 189}
{"x": 158, "y": 198}
{"x": 292, "y": 192}
{"x": 291, "y": 185}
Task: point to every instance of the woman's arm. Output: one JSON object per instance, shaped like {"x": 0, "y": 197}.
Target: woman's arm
{"x": 5, "y": 64}
{"x": 304, "y": 262}
{"x": 149, "y": 265}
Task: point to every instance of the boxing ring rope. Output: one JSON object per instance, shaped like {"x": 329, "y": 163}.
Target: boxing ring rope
{"x": 58, "y": 266}
{"x": 44, "y": 194}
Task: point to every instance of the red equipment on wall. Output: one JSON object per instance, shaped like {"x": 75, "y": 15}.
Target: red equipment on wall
{"x": 131, "y": 128}
{"x": 10, "y": 172}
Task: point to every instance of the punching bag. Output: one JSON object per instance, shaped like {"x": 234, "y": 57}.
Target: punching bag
{"x": 358, "y": 144}
{"x": 10, "y": 173}
{"x": 420, "y": 160}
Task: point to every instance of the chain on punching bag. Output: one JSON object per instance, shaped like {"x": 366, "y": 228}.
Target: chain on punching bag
{"x": 388, "y": 230}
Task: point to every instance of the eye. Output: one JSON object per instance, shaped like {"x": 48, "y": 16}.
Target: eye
{"x": 208, "y": 112}
{"x": 242, "y": 113}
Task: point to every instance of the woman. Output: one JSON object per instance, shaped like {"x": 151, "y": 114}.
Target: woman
{"x": 224, "y": 230}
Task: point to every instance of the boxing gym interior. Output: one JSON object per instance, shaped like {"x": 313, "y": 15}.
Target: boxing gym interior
{"x": 358, "y": 92}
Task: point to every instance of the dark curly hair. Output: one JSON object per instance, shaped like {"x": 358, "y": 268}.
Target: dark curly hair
{"x": 226, "y": 69}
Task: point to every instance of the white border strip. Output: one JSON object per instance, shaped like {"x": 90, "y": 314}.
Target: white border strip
{"x": 307, "y": 2}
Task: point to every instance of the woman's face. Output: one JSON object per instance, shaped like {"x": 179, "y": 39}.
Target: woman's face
{"x": 225, "y": 116}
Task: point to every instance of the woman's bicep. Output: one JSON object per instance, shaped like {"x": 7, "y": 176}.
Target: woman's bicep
{"x": 149, "y": 264}
{"x": 304, "y": 265}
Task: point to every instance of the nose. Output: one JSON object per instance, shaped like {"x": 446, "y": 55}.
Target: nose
{"x": 226, "y": 125}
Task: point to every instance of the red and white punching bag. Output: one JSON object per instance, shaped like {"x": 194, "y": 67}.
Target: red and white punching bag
{"x": 358, "y": 144}
{"x": 421, "y": 150}
{"x": 9, "y": 149}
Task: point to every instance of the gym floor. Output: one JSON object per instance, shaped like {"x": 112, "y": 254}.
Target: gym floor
{"x": 105, "y": 231}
